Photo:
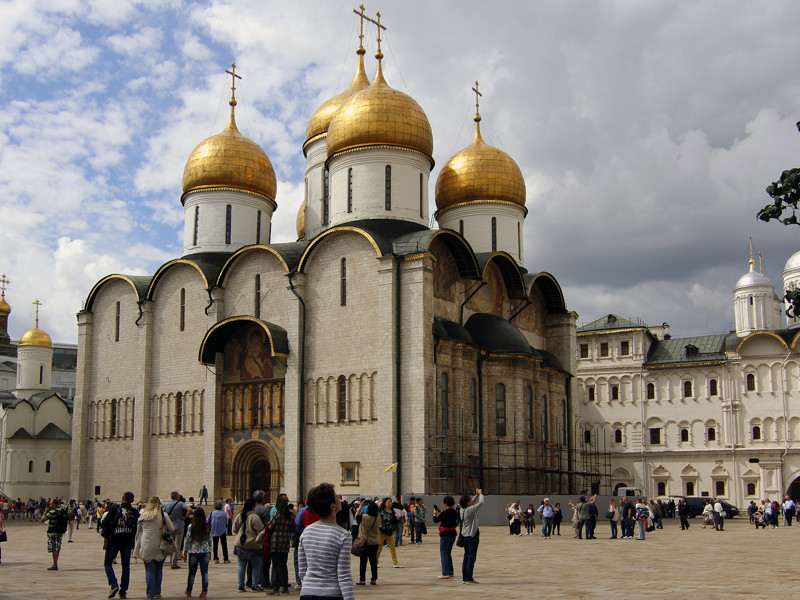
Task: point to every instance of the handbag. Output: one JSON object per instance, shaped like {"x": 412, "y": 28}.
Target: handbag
{"x": 166, "y": 545}
{"x": 609, "y": 514}
{"x": 359, "y": 547}
{"x": 3, "y": 536}
{"x": 460, "y": 539}
{"x": 423, "y": 528}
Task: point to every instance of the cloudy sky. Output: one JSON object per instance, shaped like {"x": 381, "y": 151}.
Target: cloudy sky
{"x": 646, "y": 132}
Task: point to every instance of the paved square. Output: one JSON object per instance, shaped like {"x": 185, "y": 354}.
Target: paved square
{"x": 737, "y": 563}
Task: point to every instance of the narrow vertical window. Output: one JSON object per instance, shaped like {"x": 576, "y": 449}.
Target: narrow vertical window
{"x": 529, "y": 406}
{"x": 228, "y": 212}
{"x": 342, "y": 404}
{"x": 474, "y": 400}
{"x": 712, "y": 388}
{"x": 687, "y": 389}
{"x": 183, "y": 309}
{"x": 651, "y": 391}
{"x": 47, "y": 466}
{"x": 257, "y": 298}
{"x": 113, "y": 431}
{"x": 41, "y": 374}
{"x": 519, "y": 241}
{"x": 445, "y": 413}
{"x": 343, "y": 289}
{"x": 751, "y": 382}
{"x": 421, "y": 198}
{"x": 325, "y": 197}
{"x": 494, "y": 234}
{"x": 30, "y": 466}
{"x": 590, "y": 389}
{"x": 500, "y": 409}
{"x": 258, "y": 227}
{"x": 196, "y": 224}
{"x": 116, "y": 327}
{"x": 461, "y": 226}
{"x": 388, "y": 183}
{"x": 179, "y": 412}
{"x": 350, "y": 190}
{"x": 544, "y": 418}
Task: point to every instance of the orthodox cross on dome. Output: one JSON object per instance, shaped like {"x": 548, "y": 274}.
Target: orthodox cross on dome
{"x": 361, "y": 30}
{"x": 478, "y": 96}
{"x": 37, "y": 304}
{"x": 3, "y": 284}
{"x": 760, "y": 263}
{"x": 752, "y": 262}
{"x": 234, "y": 77}
{"x": 379, "y": 54}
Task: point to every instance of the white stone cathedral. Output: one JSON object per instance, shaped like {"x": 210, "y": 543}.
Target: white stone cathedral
{"x": 373, "y": 340}
{"x": 715, "y": 415}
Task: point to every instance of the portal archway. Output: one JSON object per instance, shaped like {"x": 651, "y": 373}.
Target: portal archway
{"x": 255, "y": 467}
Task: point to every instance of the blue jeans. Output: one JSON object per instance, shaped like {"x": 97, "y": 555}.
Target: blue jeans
{"x": 201, "y": 560}
{"x": 255, "y": 563}
{"x": 296, "y": 565}
{"x": 640, "y": 528}
{"x": 613, "y": 528}
{"x": 470, "y": 554}
{"x": 125, "y": 561}
{"x": 446, "y": 554}
{"x": 398, "y": 535}
{"x": 547, "y": 526}
{"x": 153, "y": 570}
{"x": 581, "y": 524}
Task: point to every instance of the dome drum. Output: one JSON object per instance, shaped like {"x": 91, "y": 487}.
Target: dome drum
{"x": 476, "y": 221}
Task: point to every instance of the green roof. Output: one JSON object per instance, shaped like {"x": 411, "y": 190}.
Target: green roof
{"x": 702, "y": 348}
{"x": 610, "y": 323}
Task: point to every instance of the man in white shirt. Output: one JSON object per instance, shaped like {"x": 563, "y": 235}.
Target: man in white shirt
{"x": 789, "y": 507}
{"x": 719, "y": 515}
{"x": 547, "y": 511}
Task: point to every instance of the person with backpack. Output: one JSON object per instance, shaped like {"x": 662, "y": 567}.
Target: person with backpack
{"x": 448, "y": 520}
{"x": 118, "y": 528}
{"x": 388, "y": 525}
{"x": 57, "y": 520}
{"x": 177, "y": 511}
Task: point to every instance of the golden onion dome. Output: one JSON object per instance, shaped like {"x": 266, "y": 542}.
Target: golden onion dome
{"x": 301, "y": 222}
{"x": 229, "y": 160}
{"x": 377, "y": 116}
{"x": 479, "y": 172}
{"x": 36, "y": 337}
{"x": 5, "y": 309}
{"x": 321, "y": 119}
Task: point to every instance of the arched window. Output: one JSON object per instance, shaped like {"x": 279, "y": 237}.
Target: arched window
{"x": 445, "y": 415}
{"x": 461, "y": 226}
{"x": 116, "y": 327}
{"x": 544, "y": 418}
{"x": 325, "y": 197}
{"x": 30, "y": 466}
{"x": 500, "y": 409}
{"x": 343, "y": 280}
{"x": 587, "y": 436}
{"x": 473, "y": 393}
{"x": 113, "y": 423}
{"x": 196, "y": 224}
{"x": 684, "y": 435}
{"x": 178, "y": 412}
{"x": 615, "y": 392}
{"x": 651, "y": 391}
{"x": 257, "y": 298}
{"x": 618, "y": 436}
{"x": 756, "y": 432}
{"x": 751, "y": 489}
{"x": 41, "y": 374}
{"x": 421, "y": 198}
{"x": 388, "y": 185}
{"x": 182, "y": 317}
{"x": 590, "y": 389}
{"x": 47, "y": 466}
{"x": 712, "y": 388}
{"x": 751, "y": 382}
{"x": 258, "y": 227}
{"x": 529, "y": 407}
{"x": 712, "y": 434}
{"x": 720, "y": 488}
{"x": 661, "y": 486}
{"x": 228, "y": 218}
{"x": 690, "y": 488}
{"x": 342, "y": 404}
{"x": 494, "y": 234}
{"x": 350, "y": 189}
{"x": 687, "y": 389}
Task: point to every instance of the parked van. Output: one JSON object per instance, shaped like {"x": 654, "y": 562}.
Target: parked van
{"x": 630, "y": 492}
{"x": 694, "y": 506}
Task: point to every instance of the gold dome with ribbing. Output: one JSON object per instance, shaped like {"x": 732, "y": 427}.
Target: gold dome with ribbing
{"x": 479, "y": 172}
{"x": 380, "y": 116}
{"x": 36, "y": 337}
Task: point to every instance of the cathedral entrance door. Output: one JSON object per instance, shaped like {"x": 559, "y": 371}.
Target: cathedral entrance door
{"x": 260, "y": 478}
{"x": 794, "y": 489}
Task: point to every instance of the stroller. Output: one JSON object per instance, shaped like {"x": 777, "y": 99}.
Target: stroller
{"x": 759, "y": 519}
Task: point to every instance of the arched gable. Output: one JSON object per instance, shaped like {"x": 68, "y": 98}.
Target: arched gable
{"x": 325, "y": 235}
{"x": 420, "y": 241}
{"x": 761, "y": 342}
{"x": 216, "y": 337}
{"x": 288, "y": 255}
{"x": 551, "y": 291}
{"x": 509, "y": 271}
{"x": 139, "y": 284}
{"x": 163, "y": 269}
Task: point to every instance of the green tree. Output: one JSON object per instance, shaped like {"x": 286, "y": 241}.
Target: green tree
{"x": 785, "y": 194}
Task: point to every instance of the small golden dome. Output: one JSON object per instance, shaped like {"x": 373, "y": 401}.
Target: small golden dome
{"x": 36, "y": 337}
{"x": 380, "y": 115}
{"x": 5, "y": 309}
{"x": 479, "y": 172}
{"x": 321, "y": 119}
{"x": 301, "y": 222}
{"x": 229, "y": 160}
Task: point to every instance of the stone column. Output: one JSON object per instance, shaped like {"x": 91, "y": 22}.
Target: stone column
{"x": 79, "y": 488}
{"x": 140, "y": 459}
{"x": 212, "y": 418}
{"x": 294, "y": 403}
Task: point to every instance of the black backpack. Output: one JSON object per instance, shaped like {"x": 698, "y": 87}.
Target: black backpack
{"x": 60, "y": 520}
{"x": 107, "y": 525}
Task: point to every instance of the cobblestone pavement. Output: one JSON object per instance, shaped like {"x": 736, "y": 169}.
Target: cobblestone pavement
{"x": 700, "y": 563}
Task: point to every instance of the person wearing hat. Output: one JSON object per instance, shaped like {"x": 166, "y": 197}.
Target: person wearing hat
{"x": 547, "y": 513}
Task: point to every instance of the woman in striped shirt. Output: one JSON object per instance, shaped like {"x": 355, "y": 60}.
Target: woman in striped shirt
{"x": 324, "y": 550}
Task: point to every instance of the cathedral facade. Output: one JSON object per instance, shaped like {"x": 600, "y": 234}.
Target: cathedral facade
{"x": 374, "y": 352}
